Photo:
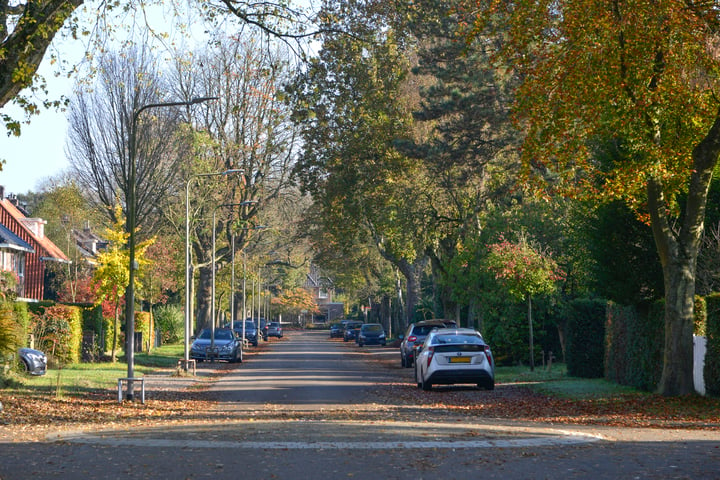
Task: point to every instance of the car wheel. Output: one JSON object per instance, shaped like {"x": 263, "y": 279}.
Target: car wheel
{"x": 489, "y": 385}
{"x": 360, "y": 344}
{"x": 427, "y": 386}
{"x": 403, "y": 363}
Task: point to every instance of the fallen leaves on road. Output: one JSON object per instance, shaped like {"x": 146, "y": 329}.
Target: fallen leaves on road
{"x": 28, "y": 414}
{"x": 519, "y": 402}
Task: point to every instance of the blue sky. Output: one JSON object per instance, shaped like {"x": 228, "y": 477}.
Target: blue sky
{"x": 39, "y": 153}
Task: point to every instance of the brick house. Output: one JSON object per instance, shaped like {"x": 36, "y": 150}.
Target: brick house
{"x": 12, "y": 257}
{"x": 321, "y": 289}
{"x": 38, "y": 249}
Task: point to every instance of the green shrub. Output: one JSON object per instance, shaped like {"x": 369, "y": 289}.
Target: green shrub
{"x": 22, "y": 319}
{"x": 170, "y": 319}
{"x": 634, "y": 344}
{"x": 58, "y": 332}
{"x": 11, "y": 337}
{"x": 712, "y": 356}
{"x": 585, "y": 348}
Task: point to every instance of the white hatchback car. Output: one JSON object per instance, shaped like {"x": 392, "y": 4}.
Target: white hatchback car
{"x": 454, "y": 355}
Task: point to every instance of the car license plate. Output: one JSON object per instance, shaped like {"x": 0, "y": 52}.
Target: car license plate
{"x": 459, "y": 359}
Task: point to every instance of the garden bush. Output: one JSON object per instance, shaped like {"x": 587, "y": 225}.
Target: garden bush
{"x": 170, "y": 319}
{"x": 585, "y": 348}
{"x": 58, "y": 332}
{"x": 635, "y": 338}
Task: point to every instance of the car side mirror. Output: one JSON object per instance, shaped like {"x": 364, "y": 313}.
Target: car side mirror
{"x": 401, "y": 336}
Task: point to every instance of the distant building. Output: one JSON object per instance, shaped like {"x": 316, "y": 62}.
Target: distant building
{"x": 88, "y": 243}
{"x": 33, "y": 245}
{"x": 322, "y": 289}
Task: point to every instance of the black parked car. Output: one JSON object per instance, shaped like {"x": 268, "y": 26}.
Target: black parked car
{"x": 264, "y": 325}
{"x": 371, "y": 334}
{"x": 337, "y": 329}
{"x": 351, "y": 331}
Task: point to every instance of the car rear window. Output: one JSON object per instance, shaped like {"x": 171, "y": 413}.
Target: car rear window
{"x": 424, "y": 329}
{"x": 457, "y": 340}
{"x": 372, "y": 328}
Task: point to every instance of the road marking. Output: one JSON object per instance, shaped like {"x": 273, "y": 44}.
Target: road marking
{"x": 543, "y": 441}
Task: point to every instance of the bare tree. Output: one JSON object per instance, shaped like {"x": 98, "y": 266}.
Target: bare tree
{"x": 98, "y": 139}
{"x": 251, "y": 132}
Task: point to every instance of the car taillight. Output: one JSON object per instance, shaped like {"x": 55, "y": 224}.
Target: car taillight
{"x": 412, "y": 338}
{"x": 488, "y": 354}
{"x": 431, "y": 352}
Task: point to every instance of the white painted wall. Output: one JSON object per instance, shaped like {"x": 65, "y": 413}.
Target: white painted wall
{"x": 700, "y": 347}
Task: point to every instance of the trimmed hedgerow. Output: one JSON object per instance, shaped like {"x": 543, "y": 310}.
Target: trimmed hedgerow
{"x": 635, "y": 337}
{"x": 58, "y": 332}
{"x": 585, "y": 349}
{"x": 712, "y": 356}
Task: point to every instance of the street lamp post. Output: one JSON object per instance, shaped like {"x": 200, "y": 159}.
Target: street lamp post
{"x": 212, "y": 310}
{"x": 188, "y": 276}
{"x": 244, "y": 306}
{"x": 131, "y": 224}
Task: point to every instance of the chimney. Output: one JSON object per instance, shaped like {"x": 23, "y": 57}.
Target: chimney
{"x": 35, "y": 225}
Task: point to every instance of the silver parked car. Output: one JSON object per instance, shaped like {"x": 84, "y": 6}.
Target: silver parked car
{"x": 415, "y": 336}
{"x": 223, "y": 344}
{"x": 34, "y": 361}
{"x": 453, "y": 356}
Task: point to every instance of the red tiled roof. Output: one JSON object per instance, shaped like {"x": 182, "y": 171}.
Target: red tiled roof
{"x": 51, "y": 250}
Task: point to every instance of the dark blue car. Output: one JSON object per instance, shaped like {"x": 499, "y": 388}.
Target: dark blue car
{"x": 371, "y": 334}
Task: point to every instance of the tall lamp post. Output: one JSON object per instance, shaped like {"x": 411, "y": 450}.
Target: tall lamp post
{"x": 131, "y": 224}
{"x": 212, "y": 315}
{"x": 232, "y": 305}
{"x": 188, "y": 276}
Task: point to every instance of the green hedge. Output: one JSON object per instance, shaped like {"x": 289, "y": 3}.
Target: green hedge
{"x": 585, "y": 348}
{"x": 635, "y": 337}
{"x": 712, "y": 356}
{"x": 170, "y": 320}
{"x": 58, "y": 332}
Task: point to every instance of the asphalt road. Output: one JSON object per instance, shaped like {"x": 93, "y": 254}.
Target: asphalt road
{"x": 304, "y": 409}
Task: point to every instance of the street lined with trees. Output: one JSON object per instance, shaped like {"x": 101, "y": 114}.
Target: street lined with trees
{"x": 497, "y": 165}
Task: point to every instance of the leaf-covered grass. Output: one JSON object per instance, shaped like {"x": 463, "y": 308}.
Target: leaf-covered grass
{"x": 79, "y": 378}
{"x": 557, "y": 383}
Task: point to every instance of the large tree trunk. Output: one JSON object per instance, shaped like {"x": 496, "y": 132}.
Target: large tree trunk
{"x": 412, "y": 273}
{"x": 678, "y": 253}
{"x": 203, "y": 296}
{"x": 677, "y": 375}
